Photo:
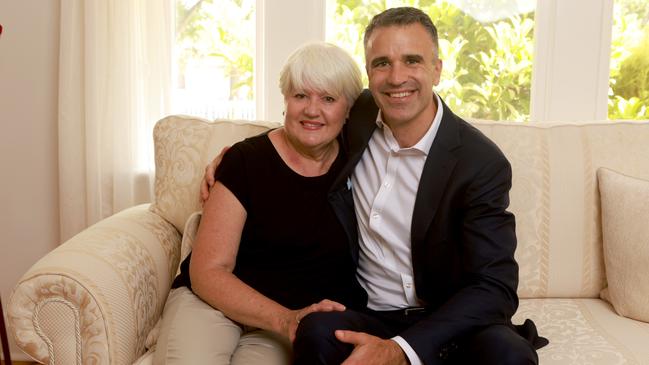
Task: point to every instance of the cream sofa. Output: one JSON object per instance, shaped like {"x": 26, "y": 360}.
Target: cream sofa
{"x": 96, "y": 299}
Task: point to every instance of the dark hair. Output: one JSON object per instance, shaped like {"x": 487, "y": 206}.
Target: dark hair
{"x": 401, "y": 16}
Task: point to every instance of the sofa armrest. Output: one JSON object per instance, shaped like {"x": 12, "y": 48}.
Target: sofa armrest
{"x": 95, "y": 298}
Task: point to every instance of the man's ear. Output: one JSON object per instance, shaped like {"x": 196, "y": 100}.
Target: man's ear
{"x": 437, "y": 71}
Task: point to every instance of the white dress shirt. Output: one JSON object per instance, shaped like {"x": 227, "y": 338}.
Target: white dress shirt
{"x": 384, "y": 185}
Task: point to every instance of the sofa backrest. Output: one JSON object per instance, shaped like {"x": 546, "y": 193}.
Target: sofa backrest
{"x": 554, "y": 194}
{"x": 556, "y": 200}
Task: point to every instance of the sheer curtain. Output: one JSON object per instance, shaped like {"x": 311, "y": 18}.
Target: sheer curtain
{"x": 114, "y": 84}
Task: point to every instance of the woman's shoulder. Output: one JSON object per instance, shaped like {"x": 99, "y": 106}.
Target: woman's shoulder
{"x": 243, "y": 163}
{"x": 251, "y": 146}
{"x": 259, "y": 140}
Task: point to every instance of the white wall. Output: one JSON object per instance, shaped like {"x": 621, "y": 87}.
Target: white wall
{"x": 29, "y": 47}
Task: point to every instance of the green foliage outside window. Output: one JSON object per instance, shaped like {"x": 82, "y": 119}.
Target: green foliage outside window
{"x": 628, "y": 96}
{"x": 487, "y": 68}
{"x": 222, "y": 30}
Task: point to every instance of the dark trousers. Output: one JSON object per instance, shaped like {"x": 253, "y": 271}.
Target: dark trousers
{"x": 316, "y": 343}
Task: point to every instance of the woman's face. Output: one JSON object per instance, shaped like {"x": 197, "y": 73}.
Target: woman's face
{"x": 313, "y": 118}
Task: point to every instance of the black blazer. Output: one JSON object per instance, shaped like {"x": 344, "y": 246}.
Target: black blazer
{"x": 463, "y": 238}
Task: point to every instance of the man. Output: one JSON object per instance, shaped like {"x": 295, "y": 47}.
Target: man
{"x": 423, "y": 200}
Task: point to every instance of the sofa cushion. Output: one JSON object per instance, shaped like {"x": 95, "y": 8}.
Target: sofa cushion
{"x": 585, "y": 331}
{"x": 625, "y": 229}
{"x": 183, "y": 147}
{"x": 189, "y": 236}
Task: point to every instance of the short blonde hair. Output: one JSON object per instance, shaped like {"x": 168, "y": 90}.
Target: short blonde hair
{"x": 323, "y": 67}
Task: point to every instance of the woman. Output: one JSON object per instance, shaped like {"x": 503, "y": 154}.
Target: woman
{"x": 269, "y": 249}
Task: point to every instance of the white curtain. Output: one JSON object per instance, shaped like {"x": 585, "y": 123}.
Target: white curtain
{"x": 114, "y": 77}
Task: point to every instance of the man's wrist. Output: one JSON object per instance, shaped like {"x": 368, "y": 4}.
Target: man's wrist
{"x": 410, "y": 356}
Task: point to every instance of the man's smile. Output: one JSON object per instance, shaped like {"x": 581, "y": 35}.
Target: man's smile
{"x": 400, "y": 94}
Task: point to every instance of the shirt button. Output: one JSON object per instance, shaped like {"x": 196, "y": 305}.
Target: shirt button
{"x": 386, "y": 184}
{"x": 375, "y": 215}
{"x": 408, "y": 285}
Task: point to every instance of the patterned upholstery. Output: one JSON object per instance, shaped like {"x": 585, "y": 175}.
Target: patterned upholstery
{"x": 97, "y": 297}
{"x": 93, "y": 299}
{"x": 586, "y": 331}
{"x": 556, "y": 201}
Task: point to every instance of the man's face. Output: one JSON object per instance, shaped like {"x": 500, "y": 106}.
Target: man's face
{"x": 402, "y": 70}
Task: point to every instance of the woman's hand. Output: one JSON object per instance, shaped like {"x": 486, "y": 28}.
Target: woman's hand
{"x": 292, "y": 318}
{"x": 208, "y": 178}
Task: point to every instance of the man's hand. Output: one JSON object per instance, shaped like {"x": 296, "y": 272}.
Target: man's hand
{"x": 208, "y": 178}
{"x": 371, "y": 350}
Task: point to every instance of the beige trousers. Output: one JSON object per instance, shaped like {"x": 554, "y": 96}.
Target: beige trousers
{"x": 192, "y": 332}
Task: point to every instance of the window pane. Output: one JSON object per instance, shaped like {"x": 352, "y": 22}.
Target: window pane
{"x": 213, "y": 54}
{"x": 628, "y": 96}
{"x": 486, "y": 48}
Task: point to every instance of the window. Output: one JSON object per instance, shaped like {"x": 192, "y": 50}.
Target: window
{"x": 486, "y": 47}
{"x": 628, "y": 96}
{"x": 503, "y": 59}
{"x": 213, "y": 59}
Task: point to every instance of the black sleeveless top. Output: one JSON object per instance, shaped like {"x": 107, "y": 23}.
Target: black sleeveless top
{"x": 293, "y": 249}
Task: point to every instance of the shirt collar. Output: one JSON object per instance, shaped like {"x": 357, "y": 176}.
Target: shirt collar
{"x": 425, "y": 142}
